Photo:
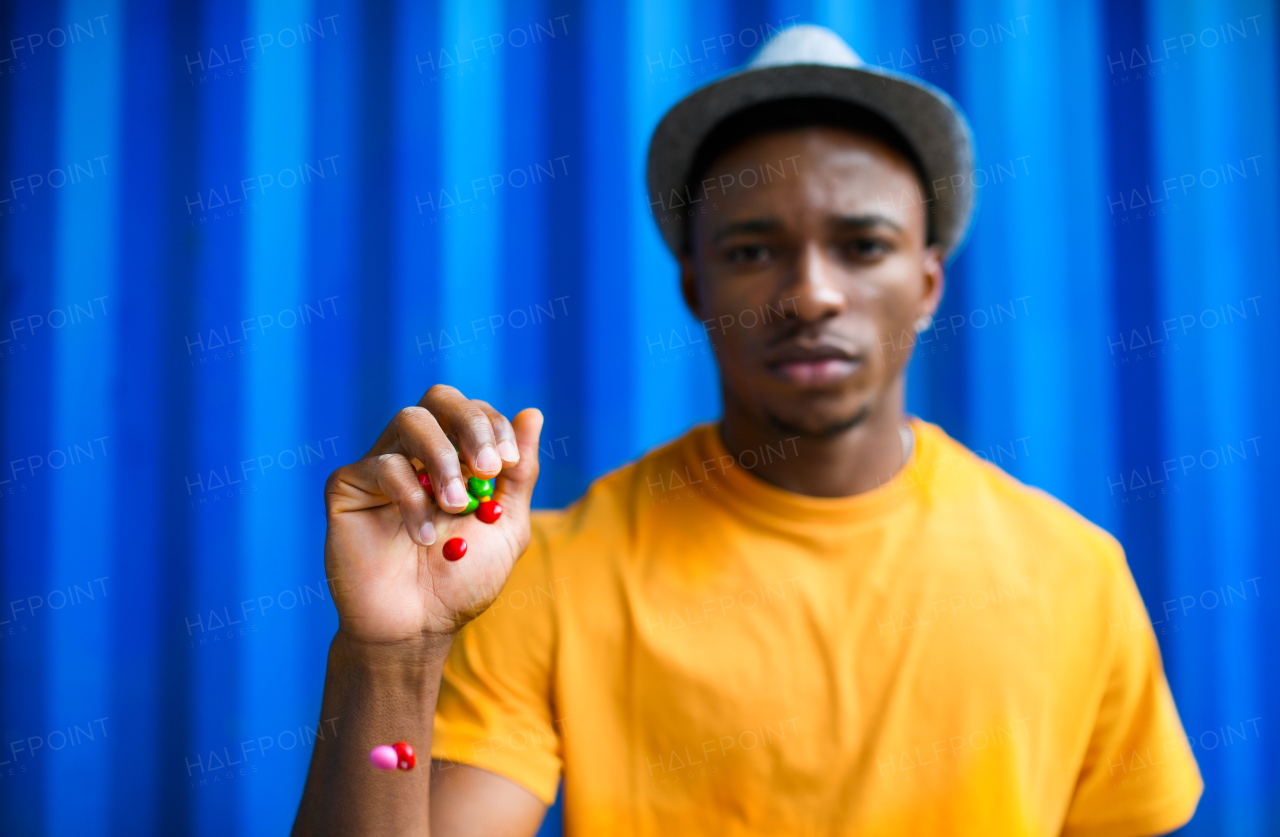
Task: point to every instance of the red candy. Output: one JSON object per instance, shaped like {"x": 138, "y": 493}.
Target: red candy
{"x": 405, "y": 757}
{"x": 489, "y": 511}
{"x": 454, "y": 549}
{"x": 425, "y": 482}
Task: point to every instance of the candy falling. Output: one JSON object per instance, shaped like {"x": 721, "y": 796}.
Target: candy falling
{"x": 454, "y": 549}
{"x": 391, "y": 757}
{"x": 406, "y": 756}
{"x": 384, "y": 757}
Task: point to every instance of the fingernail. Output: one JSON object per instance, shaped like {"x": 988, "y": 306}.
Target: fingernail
{"x": 455, "y": 494}
{"x": 427, "y": 534}
{"x": 487, "y": 460}
{"x": 508, "y": 450}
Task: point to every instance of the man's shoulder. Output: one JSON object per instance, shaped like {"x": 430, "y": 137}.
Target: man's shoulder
{"x": 1002, "y": 506}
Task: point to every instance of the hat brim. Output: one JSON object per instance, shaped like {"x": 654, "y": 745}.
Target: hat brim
{"x": 927, "y": 118}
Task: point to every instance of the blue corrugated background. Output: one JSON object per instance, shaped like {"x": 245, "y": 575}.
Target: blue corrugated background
{"x": 239, "y": 235}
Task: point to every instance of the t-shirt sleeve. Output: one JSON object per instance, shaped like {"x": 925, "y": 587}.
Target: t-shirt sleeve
{"x": 495, "y": 706}
{"x": 1139, "y": 776}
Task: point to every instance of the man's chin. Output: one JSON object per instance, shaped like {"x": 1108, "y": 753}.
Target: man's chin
{"x": 818, "y": 426}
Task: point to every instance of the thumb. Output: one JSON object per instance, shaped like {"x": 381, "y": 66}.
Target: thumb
{"x": 518, "y": 482}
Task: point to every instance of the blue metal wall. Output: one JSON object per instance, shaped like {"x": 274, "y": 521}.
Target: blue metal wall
{"x": 239, "y": 235}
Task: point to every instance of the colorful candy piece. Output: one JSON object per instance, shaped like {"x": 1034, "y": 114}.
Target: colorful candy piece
{"x": 384, "y": 757}
{"x": 489, "y": 511}
{"x": 407, "y": 757}
{"x": 454, "y": 549}
{"x": 479, "y": 492}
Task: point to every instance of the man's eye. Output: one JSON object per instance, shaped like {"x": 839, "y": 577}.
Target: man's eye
{"x": 868, "y": 248}
{"x": 748, "y": 253}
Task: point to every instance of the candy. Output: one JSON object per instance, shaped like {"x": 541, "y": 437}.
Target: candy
{"x": 454, "y": 549}
{"x": 406, "y": 755}
{"x": 389, "y": 757}
{"x": 384, "y": 757}
{"x": 489, "y": 512}
{"x": 479, "y": 492}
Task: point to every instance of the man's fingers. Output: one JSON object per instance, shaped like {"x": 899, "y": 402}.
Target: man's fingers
{"x": 390, "y": 476}
{"x": 516, "y": 484}
{"x": 486, "y": 442}
{"x": 415, "y": 433}
{"x": 502, "y": 431}
{"x": 465, "y": 421}
{"x": 399, "y": 482}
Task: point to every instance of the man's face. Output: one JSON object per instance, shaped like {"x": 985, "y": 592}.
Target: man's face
{"x": 838, "y": 245}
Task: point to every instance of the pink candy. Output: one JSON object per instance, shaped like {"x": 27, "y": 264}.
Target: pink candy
{"x": 384, "y": 757}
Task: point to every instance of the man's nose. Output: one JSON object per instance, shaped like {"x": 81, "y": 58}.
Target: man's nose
{"x": 817, "y": 294}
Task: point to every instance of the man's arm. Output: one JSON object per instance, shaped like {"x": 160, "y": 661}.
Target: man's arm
{"x": 1136, "y": 728}
{"x": 400, "y": 605}
{"x": 384, "y": 695}
{"x": 470, "y": 802}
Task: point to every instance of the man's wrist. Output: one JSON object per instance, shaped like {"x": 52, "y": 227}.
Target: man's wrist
{"x": 421, "y": 650}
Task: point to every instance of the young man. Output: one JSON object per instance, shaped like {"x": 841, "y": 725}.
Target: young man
{"x": 816, "y": 617}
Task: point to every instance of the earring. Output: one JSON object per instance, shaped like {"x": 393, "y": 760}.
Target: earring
{"x": 923, "y": 322}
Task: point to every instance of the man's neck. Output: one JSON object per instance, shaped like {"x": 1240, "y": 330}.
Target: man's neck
{"x": 861, "y": 458}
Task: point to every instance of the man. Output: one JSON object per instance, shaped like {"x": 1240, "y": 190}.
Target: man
{"x": 816, "y": 617}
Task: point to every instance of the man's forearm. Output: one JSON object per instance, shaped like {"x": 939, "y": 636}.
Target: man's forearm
{"x": 380, "y": 695}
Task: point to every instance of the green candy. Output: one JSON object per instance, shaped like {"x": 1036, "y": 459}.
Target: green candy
{"x": 479, "y": 488}
{"x": 472, "y": 504}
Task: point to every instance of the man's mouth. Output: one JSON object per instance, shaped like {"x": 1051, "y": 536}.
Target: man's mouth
{"x": 814, "y": 367}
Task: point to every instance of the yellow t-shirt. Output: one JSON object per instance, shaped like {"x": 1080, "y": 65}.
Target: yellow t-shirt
{"x": 700, "y": 652}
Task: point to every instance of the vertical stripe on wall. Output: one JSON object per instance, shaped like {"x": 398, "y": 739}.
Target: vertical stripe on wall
{"x": 523, "y": 217}
{"x": 1136, "y": 293}
{"x": 216, "y": 367}
{"x": 472, "y": 108}
{"x": 418, "y": 221}
{"x": 30, "y": 259}
{"x": 151, "y": 659}
{"x": 84, "y": 389}
{"x": 277, "y": 261}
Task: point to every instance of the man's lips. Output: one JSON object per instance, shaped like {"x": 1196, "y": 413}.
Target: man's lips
{"x": 816, "y": 366}
{"x": 815, "y": 372}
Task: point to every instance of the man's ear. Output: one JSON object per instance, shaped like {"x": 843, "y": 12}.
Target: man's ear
{"x": 689, "y": 284}
{"x": 934, "y": 269}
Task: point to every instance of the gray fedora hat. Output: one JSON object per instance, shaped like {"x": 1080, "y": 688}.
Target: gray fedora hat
{"x": 803, "y": 62}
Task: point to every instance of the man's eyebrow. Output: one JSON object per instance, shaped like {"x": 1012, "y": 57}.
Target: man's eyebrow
{"x": 865, "y": 221}
{"x": 754, "y": 226}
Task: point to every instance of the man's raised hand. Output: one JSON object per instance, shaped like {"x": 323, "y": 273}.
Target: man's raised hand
{"x": 383, "y": 550}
